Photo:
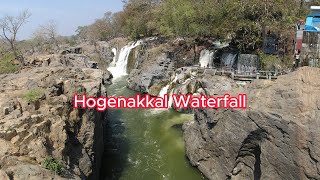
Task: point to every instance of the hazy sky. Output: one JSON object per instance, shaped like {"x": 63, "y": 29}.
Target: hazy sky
{"x": 69, "y": 14}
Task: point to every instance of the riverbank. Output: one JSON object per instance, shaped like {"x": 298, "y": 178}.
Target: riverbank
{"x": 41, "y": 135}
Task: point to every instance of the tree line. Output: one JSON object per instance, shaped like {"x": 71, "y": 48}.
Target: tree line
{"x": 245, "y": 22}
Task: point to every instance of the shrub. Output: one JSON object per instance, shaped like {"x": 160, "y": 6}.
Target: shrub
{"x": 53, "y": 165}
{"x": 267, "y": 61}
{"x": 33, "y": 95}
{"x": 6, "y": 64}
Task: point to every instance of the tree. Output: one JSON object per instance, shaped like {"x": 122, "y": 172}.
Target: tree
{"x": 46, "y": 35}
{"x": 10, "y": 26}
{"x": 248, "y": 21}
{"x": 50, "y": 32}
{"x": 139, "y": 17}
{"x": 244, "y": 22}
{"x": 109, "y": 26}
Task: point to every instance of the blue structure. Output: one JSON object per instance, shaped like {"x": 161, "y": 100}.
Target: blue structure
{"x": 313, "y": 23}
{"x": 313, "y": 20}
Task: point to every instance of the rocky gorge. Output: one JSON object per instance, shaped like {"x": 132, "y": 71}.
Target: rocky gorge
{"x": 41, "y": 135}
{"x": 275, "y": 138}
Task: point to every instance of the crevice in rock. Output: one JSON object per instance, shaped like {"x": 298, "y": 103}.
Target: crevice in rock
{"x": 257, "y": 164}
{"x": 251, "y": 148}
{"x": 10, "y": 175}
{"x": 311, "y": 156}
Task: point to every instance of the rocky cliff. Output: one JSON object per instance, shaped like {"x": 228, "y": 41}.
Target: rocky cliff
{"x": 41, "y": 135}
{"x": 276, "y": 137}
{"x": 157, "y": 61}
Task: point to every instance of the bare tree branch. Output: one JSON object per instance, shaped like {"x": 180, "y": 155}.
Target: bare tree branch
{"x": 46, "y": 35}
{"x": 10, "y": 26}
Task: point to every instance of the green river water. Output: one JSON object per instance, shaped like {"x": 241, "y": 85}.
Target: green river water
{"x": 145, "y": 144}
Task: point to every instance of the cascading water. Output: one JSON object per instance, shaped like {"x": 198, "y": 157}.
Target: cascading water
{"x": 164, "y": 91}
{"x": 228, "y": 59}
{"x": 170, "y": 99}
{"x": 120, "y": 68}
{"x": 247, "y": 63}
{"x": 206, "y": 58}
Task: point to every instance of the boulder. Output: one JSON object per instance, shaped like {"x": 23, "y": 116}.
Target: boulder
{"x": 141, "y": 80}
{"x": 276, "y": 137}
{"x": 107, "y": 78}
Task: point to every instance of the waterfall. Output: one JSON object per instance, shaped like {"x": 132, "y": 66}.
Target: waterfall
{"x": 120, "y": 68}
{"x": 228, "y": 59}
{"x": 206, "y": 58}
{"x": 247, "y": 63}
{"x": 164, "y": 91}
{"x": 170, "y": 99}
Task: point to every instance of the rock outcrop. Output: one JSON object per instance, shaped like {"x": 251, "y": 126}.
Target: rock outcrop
{"x": 142, "y": 79}
{"x": 276, "y": 137}
{"x": 37, "y": 121}
{"x": 156, "y": 61}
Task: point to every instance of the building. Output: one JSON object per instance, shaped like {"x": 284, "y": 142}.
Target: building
{"x": 310, "y": 51}
{"x": 313, "y": 20}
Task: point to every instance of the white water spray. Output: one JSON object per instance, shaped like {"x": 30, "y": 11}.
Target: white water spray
{"x": 120, "y": 68}
{"x": 170, "y": 99}
{"x": 206, "y": 58}
{"x": 164, "y": 91}
{"x": 228, "y": 59}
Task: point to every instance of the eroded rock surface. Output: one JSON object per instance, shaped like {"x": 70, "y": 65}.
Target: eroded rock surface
{"x": 142, "y": 79}
{"x": 37, "y": 120}
{"x": 276, "y": 137}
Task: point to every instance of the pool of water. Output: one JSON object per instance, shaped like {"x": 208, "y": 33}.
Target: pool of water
{"x": 145, "y": 144}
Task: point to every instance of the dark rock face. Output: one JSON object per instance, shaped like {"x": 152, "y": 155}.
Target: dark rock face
{"x": 142, "y": 79}
{"x": 72, "y": 50}
{"x": 107, "y": 77}
{"x": 277, "y": 137}
{"x": 76, "y": 60}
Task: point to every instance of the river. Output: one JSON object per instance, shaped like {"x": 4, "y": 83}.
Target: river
{"x": 145, "y": 144}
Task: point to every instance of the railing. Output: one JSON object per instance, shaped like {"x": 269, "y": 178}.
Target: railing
{"x": 238, "y": 75}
